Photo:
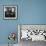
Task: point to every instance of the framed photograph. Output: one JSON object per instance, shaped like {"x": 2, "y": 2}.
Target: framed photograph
{"x": 32, "y": 32}
{"x": 10, "y": 12}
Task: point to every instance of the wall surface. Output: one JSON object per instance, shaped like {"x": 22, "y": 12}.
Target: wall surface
{"x": 29, "y": 12}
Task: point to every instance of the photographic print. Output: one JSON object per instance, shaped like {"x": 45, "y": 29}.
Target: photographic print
{"x": 10, "y": 12}
{"x": 33, "y": 32}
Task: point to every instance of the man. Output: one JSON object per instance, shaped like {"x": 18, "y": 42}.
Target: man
{"x": 9, "y": 13}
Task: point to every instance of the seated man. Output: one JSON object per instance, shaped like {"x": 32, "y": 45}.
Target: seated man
{"x": 9, "y": 13}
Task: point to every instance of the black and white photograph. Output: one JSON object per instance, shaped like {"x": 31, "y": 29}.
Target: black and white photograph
{"x": 33, "y": 32}
{"x": 10, "y": 12}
